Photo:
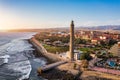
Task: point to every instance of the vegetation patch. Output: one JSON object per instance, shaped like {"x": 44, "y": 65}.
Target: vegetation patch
{"x": 54, "y": 49}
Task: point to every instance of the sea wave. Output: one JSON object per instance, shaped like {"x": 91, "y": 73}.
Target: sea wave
{"x": 16, "y": 53}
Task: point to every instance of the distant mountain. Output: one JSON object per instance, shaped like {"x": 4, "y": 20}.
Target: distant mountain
{"x": 106, "y": 27}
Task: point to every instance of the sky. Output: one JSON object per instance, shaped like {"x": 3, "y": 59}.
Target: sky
{"x": 23, "y": 14}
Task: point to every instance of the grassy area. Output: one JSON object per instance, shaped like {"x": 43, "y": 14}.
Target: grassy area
{"x": 89, "y": 49}
{"x": 84, "y": 49}
{"x": 54, "y": 49}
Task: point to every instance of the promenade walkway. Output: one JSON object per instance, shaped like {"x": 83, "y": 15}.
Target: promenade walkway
{"x": 50, "y": 66}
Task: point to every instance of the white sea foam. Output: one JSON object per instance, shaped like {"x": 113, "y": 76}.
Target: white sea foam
{"x": 4, "y": 59}
{"x": 24, "y": 69}
{"x": 40, "y": 61}
{"x": 15, "y": 47}
{"x": 19, "y": 46}
{"x": 5, "y": 56}
{"x": 14, "y": 52}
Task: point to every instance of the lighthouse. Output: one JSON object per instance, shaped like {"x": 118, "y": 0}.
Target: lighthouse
{"x": 71, "y": 47}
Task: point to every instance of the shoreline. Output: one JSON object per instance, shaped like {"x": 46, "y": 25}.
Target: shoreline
{"x": 38, "y": 54}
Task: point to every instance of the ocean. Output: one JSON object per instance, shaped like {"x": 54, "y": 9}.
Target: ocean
{"x": 17, "y": 59}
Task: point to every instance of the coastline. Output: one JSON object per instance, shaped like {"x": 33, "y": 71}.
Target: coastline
{"x": 41, "y": 51}
{"x": 38, "y": 54}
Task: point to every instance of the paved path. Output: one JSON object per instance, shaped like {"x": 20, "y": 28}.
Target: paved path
{"x": 53, "y": 65}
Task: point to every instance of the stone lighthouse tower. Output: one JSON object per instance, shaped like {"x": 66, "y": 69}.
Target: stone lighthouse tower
{"x": 71, "y": 47}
